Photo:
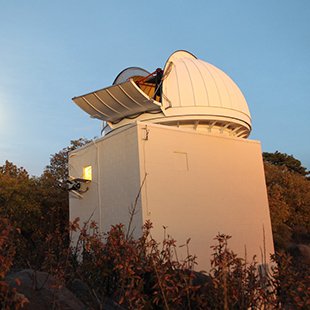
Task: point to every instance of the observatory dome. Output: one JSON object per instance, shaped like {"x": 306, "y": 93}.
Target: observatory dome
{"x": 188, "y": 93}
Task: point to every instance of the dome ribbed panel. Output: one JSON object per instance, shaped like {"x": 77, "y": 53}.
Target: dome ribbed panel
{"x": 225, "y": 100}
{"x": 187, "y": 97}
{"x": 198, "y": 87}
{"x": 194, "y": 84}
{"x": 237, "y": 99}
{"x": 211, "y": 83}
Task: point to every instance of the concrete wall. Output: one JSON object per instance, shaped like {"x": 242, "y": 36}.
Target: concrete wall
{"x": 196, "y": 184}
{"x": 199, "y": 185}
{"x": 115, "y": 183}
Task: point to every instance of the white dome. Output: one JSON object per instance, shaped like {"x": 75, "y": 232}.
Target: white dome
{"x": 193, "y": 88}
{"x": 188, "y": 93}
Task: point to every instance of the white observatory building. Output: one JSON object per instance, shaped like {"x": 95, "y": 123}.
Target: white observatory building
{"x": 176, "y": 139}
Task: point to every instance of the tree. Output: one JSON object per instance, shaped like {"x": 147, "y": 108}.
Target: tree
{"x": 285, "y": 162}
{"x": 17, "y": 197}
{"x": 58, "y": 167}
{"x": 19, "y": 205}
{"x": 289, "y": 201}
{"x": 36, "y": 206}
{"x": 53, "y": 187}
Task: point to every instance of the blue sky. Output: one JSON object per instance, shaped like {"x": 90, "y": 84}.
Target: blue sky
{"x": 51, "y": 51}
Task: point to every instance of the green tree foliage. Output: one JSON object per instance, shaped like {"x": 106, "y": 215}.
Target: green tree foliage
{"x": 38, "y": 206}
{"x": 289, "y": 200}
{"x": 58, "y": 167}
{"x": 54, "y": 199}
{"x": 286, "y": 162}
{"x": 17, "y": 197}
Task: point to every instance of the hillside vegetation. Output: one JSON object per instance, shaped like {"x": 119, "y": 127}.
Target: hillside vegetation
{"x": 34, "y": 234}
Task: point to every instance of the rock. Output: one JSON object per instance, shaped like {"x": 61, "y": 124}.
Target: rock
{"x": 83, "y": 292}
{"x": 43, "y": 291}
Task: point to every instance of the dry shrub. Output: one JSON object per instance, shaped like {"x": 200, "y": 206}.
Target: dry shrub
{"x": 9, "y": 297}
{"x": 145, "y": 274}
{"x": 291, "y": 281}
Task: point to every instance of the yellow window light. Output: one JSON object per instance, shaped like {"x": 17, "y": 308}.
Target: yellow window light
{"x": 87, "y": 173}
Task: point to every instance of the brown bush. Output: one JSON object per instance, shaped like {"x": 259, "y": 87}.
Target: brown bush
{"x": 9, "y": 297}
{"x": 143, "y": 274}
